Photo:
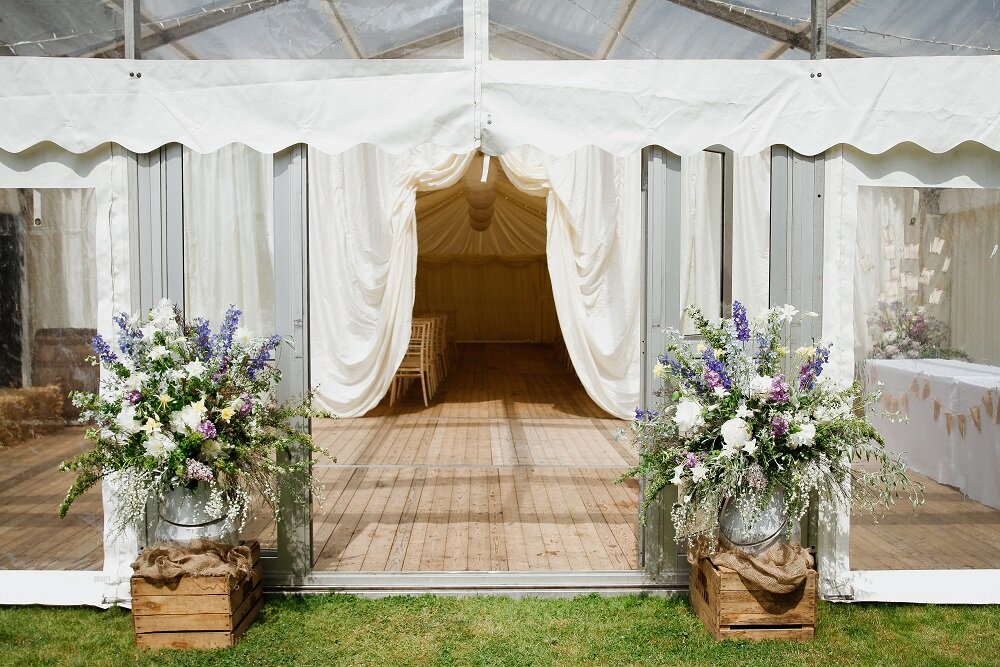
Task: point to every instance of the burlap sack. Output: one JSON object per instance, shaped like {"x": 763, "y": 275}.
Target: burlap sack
{"x": 166, "y": 562}
{"x": 780, "y": 569}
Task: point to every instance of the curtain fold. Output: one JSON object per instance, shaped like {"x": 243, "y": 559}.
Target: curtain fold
{"x": 363, "y": 254}
{"x": 593, "y": 247}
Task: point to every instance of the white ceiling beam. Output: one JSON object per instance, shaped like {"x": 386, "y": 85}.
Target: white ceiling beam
{"x": 347, "y": 35}
{"x": 614, "y": 35}
{"x": 181, "y": 28}
{"x": 537, "y": 43}
{"x": 836, "y": 6}
{"x": 762, "y": 25}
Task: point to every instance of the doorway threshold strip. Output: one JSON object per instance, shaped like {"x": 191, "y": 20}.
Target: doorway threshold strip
{"x": 464, "y": 584}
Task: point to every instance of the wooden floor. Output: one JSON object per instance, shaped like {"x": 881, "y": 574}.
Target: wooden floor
{"x": 32, "y": 537}
{"x": 511, "y": 468}
{"x": 948, "y": 531}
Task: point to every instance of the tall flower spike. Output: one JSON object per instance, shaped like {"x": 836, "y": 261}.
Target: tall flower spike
{"x": 740, "y": 322}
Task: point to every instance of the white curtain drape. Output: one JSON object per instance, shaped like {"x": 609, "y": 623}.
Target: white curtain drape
{"x": 594, "y": 258}
{"x": 229, "y": 236}
{"x": 363, "y": 259}
{"x": 752, "y": 230}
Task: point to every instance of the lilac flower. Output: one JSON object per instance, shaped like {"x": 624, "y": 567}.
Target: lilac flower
{"x": 102, "y": 349}
{"x": 207, "y": 429}
{"x": 690, "y": 460}
{"x": 134, "y": 396}
{"x": 740, "y": 322}
{"x": 204, "y": 339}
{"x": 779, "y": 389}
{"x": 779, "y": 427}
{"x": 718, "y": 371}
{"x": 224, "y": 339}
{"x": 197, "y": 471}
{"x": 247, "y": 403}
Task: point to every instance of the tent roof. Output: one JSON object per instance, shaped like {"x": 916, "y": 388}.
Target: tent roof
{"x": 519, "y": 29}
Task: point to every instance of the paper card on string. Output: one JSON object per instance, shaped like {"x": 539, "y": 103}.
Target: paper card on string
{"x": 911, "y": 251}
{"x": 976, "y": 417}
{"x": 988, "y": 403}
{"x": 937, "y": 245}
{"x": 935, "y": 296}
{"x": 947, "y": 263}
{"x": 925, "y": 276}
{"x": 961, "y": 425}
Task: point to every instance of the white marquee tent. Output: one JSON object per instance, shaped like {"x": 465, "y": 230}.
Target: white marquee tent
{"x": 389, "y": 107}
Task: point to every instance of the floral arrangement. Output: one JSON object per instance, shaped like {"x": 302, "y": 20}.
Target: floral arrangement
{"x": 734, "y": 426}
{"x": 900, "y": 332}
{"x": 180, "y": 405}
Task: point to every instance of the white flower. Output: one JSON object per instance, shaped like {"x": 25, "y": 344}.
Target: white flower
{"x": 211, "y": 449}
{"x": 761, "y": 384}
{"x": 135, "y": 380}
{"x": 810, "y": 313}
{"x": 158, "y": 445}
{"x": 660, "y": 371}
{"x": 688, "y": 416}
{"x": 126, "y": 419}
{"x": 158, "y": 352}
{"x": 188, "y": 418}
{"x": 750, "y": 447}
{"x": 148, "y": 331}
{"x": 728, "y": 451}
{"x": 195, "y": 368}
{"x": 803, "y": 437}
{"x": 678, "y": 474}
{"x": 243, "y": 336}
{"x": 720, "y": 392}
{"x": 735, "y": 433}
{"x": 151, "y": 426}
{"x": 891, "y": 336}
{"x": 698, "y": 473}
{"x": 787, "y": 312}
{"x": 743, "y": 411}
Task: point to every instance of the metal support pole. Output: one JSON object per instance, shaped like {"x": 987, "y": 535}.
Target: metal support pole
{"x": 820, "y": 18}
{"x": 133, "y": 29}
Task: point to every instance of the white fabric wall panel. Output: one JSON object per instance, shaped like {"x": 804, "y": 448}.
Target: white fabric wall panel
{"x": 363, "y": 261}
{"x": 229, "y": 236}
{"x": 594, "y": 257}
{"x": 752, "y": 230}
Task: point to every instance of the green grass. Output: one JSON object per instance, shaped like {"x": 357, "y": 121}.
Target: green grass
{"x": 591, "y": 630}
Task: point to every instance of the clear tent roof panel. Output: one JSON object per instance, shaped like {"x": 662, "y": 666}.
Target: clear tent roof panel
{"x": 520, "y": 29}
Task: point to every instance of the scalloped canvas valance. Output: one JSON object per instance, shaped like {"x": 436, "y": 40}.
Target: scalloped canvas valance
{"x": 871, "y": 104}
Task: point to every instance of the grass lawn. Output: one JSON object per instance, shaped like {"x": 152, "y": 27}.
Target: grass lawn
{"x": 591, "y": 630}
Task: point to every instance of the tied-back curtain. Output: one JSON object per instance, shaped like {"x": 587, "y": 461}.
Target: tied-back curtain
{"x": 229, "y": 236}
{"x": 363, "y": 263}
{"x": 595, "y": 262}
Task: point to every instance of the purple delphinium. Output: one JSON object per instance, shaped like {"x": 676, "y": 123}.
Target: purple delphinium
{"x": 264, "y": 355}
{"x": 679, "y": 371}
{"x": 718, "y": 375}
{"x": 197, "y": 471}
{"x": 102, "y": 349}
{"x": 204, "y": 338}
{"x": 224, "y": 339}
{"x": 134, "y": 396}
{"x": 779, "y": 389}
{"x": 126, "y": 337}
{"x": 207, "y": 429}
{"x": 779, "y": 427}
{"x": 814, "y": 367}
{"x": 740, "y": 322}
{"x": 767, "y": 356}
{"x": 645, "y": 415}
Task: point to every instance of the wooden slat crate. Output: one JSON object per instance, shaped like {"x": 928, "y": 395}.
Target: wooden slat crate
{"x": 733, "y": 609}
{"x": 197, "y": 612}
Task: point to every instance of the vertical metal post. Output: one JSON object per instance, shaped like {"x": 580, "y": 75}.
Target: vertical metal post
{"x": 133, "y": 29}
{"x": 819, "y": 18}
{"x": 796, "y": 271}
{"x": 291, "y": 290}
{"x": 661, "y": 234}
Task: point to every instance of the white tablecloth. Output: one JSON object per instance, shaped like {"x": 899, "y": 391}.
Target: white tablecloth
{"x": 953, "y": 432}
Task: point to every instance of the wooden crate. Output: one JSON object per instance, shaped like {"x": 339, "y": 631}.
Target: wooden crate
{"x": 733, "y": 609}
{"x": 197, "y": 612}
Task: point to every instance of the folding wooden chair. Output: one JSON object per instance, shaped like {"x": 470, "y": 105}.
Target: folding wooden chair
{"x": 417, "y": 362}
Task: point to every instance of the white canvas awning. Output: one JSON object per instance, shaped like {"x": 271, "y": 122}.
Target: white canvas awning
{"x": 872, "y": 104}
